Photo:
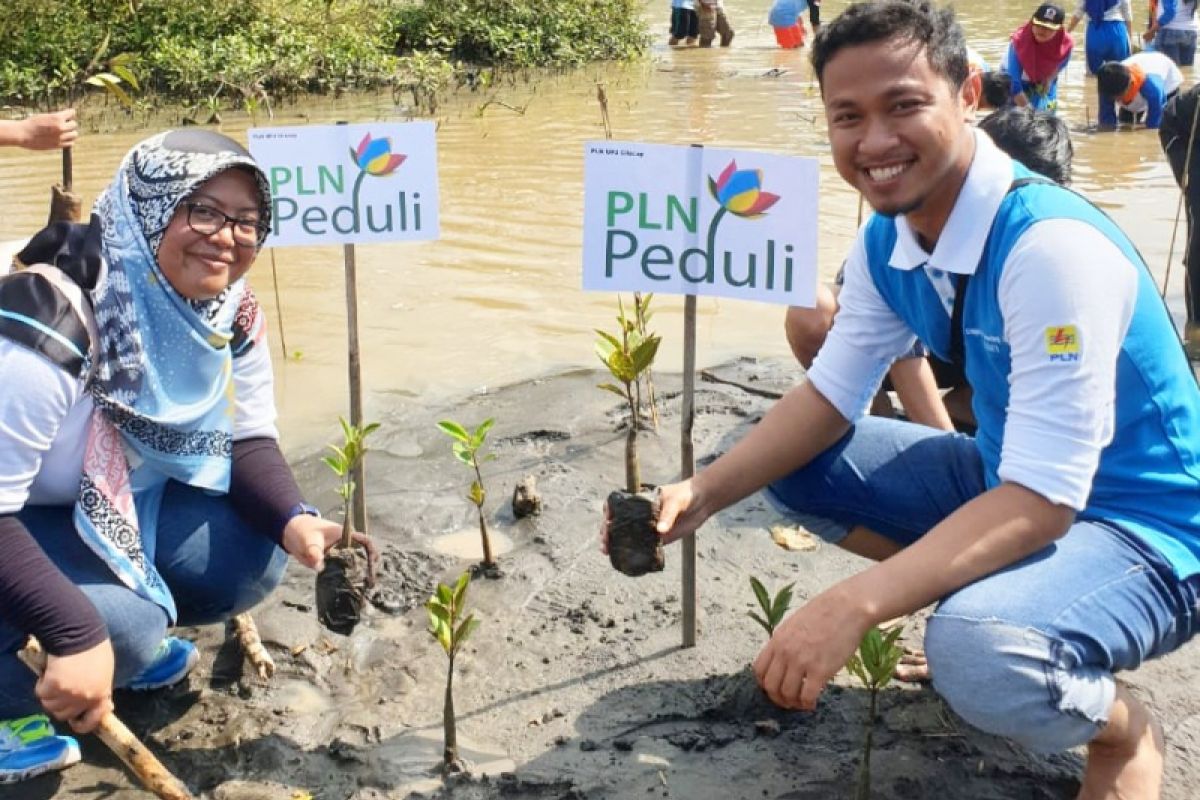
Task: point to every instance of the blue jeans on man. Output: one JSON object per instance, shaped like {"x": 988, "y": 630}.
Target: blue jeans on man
{"x": 1028, "y": 652}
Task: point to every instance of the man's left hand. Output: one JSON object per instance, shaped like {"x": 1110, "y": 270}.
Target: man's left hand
{"x": 808, "y": 648}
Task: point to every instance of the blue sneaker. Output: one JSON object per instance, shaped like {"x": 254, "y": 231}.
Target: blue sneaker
{"x": 29, "y": 747}
{"x": 172, "y": 662}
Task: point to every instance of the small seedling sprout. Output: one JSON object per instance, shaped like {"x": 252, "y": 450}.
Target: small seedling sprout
{"x": 627, "y": 356}
{"x": 451, "y": 629}
{"x": 344, "y": 460}
{"x": 468, "y": 446}
{"x": 773, "y": 610}
{"x": 874, "y": 664}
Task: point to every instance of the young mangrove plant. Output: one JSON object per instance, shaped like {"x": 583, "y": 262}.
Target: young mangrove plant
{"x": 874, "y": 664}
{"x": 343, "y": 582}
{"x": 633, "y": 544}
{"x": 772, "y": 610}
{"x": 451, "y": 628}
{"x": 468, "y": 447}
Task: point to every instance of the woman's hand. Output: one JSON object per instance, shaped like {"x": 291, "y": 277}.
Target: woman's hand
{"x": 306, "y": 538}
{"x": 77, "y": 689}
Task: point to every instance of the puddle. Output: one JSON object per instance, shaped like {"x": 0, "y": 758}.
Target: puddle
{"x": 466, "y": 544}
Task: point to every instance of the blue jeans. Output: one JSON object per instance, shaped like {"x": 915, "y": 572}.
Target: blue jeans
{"x": 1027, "y": 652}
{"x": 1179, "y": 46}
{"x": 214, "y": 564}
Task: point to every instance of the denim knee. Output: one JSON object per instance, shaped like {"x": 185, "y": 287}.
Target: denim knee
{"x": 204, "y": 601}
{"x": 1015, "y": 681}
{"x": 822, "y": 527}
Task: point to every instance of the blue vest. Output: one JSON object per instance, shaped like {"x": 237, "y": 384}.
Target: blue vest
{"x": 1148, "y": 479}
{"x": 1096, "y": 9}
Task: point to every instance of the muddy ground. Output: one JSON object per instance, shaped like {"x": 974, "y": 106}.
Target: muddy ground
{"x": 575, "y": 685}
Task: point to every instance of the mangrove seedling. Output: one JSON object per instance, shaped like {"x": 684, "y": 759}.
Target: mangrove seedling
{"x": 772, "y": 610}
{"x": 874, "y": 664}
{"x": 451, "y": 628}
{"x": 343, "y": 582}
{"x": 468, "y": 447}
{"x": 634, "y": 547}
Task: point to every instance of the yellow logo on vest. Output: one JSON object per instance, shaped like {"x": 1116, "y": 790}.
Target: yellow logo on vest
{"x": 1062, "y": 343}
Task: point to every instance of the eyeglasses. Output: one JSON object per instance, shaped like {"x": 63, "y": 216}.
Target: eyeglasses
{"x": 206, "y": 220}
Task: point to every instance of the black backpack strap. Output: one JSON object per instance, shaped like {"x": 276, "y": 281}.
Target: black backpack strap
{"x": 958, "y": 355}
{"x": 44, "y": 310}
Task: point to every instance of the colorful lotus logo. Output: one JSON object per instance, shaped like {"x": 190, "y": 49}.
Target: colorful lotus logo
{"x": 375, "y": 156}
{"x": 740, "y": 192}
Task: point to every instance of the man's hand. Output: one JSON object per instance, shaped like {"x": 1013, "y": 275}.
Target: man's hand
{"x": 808, "y": 648}
{"x": 679, "y": 513}
{"x": 47, "y": 131}
{"x": 78, "y": 688}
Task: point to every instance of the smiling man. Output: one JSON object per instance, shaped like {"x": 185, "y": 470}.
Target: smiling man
{"x": 1062, "y": 542}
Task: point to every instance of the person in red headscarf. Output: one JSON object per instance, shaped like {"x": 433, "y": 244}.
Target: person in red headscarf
{"x": 1039, "y": 51}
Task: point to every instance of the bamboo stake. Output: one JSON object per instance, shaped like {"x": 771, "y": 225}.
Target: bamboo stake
{"x": 278, "y": 306}
{"x": 251, "y": 643}
{"x": 118, "y": 738}
{"x": 1184, "y": 182}
{"x": 688, "y": 464}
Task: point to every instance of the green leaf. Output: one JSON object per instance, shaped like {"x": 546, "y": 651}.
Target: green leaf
{"x": 465, "y": 630}
{"x": 112, "y": 85}
{"x": 370, "y": 428}
{"x": 613, "y": 342}
{"x": 452, "y": 428}
{"x": 464, "y": 454}
{"x": 482, "y": 431}
{"x": 335, "y": 465}
{"x": 445, "y": 596}
{"x": 766, "y": 626}
{"x": 125, "y": 73}
{"x": 460, "y": 590}
{"x": 477, "y": 495}
{"x": 783, "y": 601}
{"x": 617, "y": 390}
{"x": 347, "y": 429}
{"x": 643, "y": 354}
{"x": 760, "y": 593}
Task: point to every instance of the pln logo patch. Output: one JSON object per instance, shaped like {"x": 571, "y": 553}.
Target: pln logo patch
{"x": 1062, "y": 343}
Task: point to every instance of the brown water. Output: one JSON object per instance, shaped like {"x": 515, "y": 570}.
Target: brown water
{"x": 497, "y": 299}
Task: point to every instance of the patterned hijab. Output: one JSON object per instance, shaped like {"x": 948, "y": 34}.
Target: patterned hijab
{"x": 162, "y": 381}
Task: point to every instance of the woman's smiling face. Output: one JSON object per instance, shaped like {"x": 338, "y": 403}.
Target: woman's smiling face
{"x": 201, "y": 266}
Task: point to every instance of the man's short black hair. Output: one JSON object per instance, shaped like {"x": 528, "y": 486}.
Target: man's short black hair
{"x": 1038, "y": 139}
{"x": 916, "y": 21}
{"x": 997, "y": 89}
{"x": 1113, "y": 78}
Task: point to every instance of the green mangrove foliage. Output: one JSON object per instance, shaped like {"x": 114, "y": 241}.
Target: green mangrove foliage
{"x": 468, "y": 448}
{"x": 772, "y": 610}
{"x": 874, "y": 664}
{"x": 230, "y": 50}
{"x": 451, "y": 627}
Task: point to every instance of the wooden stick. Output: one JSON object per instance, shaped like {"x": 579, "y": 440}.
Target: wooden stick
{"x": 252, "y": 646}
{"x": 688, "y": 465}
{"x": 141, "y": 762}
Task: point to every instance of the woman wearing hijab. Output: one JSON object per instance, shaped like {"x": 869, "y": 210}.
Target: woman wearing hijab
{"x": 1039, "y": 51}
{"x": 141, "y": 483}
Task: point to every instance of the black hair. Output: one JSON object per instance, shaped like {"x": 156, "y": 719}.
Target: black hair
{"x": 1113, "y": 78}
{"x": 1038, "y": 139}
{"x": 997, "y": 89}
{"x": 916, "y": 21}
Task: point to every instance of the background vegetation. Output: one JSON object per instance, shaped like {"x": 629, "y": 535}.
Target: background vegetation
{"x": 267, "y": 50}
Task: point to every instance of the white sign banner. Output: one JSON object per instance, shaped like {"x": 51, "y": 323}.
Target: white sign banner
{"x": 700, "y": 220}
{"x": 350, "y": 184}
